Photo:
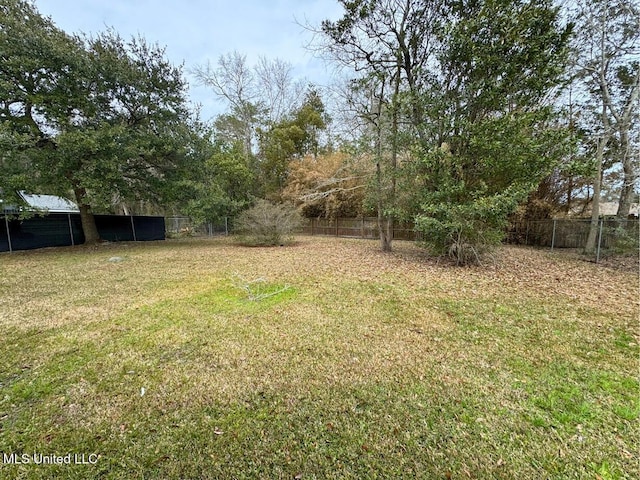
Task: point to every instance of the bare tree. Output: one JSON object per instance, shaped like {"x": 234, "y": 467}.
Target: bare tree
{"x": 608, "y": 64}
{"x": 234, "y": 81}
{"x": 259, "y": 94}
{"x": 280, "y": 92}
{"x": 389, "y": 44}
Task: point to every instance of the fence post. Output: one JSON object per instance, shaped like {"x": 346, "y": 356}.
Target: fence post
{"x": 6, "y": 223}
{"x": 337, "y": 221}
{"x": 73, "y": 243}
{"x": 553, "y": 235}
{"x": 133, "y": 228}
{"x": 599, "y": 241}
{"x": 226, "y": 226}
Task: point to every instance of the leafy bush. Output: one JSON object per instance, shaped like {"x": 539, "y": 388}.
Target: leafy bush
{"x": 462, "y": 218}
{"x": 467, "y": 188}
{"x": 267, "y": 224}
{"x": 466, "y": 232}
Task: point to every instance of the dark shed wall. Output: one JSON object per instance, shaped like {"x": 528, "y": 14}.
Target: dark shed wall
{"x": 56, "y": 230}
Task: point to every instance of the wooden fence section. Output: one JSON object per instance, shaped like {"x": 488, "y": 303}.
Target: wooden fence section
{"x": 366, "y": 227}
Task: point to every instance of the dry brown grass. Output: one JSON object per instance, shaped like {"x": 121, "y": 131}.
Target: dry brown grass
{"x": 481, "y": 353}
{"x": 81, "y": 285}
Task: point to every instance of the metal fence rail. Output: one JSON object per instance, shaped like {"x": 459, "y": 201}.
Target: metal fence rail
{"x": 366, "y": 227}
{"x": 614, "y": 235}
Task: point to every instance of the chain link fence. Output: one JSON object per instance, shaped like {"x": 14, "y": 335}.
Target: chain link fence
{"x": 178, "y": 227}
{"x": 65, "y": 229}
{"x": 614, "y": 236}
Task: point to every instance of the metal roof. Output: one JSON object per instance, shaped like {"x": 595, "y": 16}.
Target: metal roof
{"x": 49, "y": 203}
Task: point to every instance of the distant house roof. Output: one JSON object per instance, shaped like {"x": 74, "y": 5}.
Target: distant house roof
{"x": 606, "y": 209}
{"x": 611, "y": 208}
{"x": 47, "y": 203}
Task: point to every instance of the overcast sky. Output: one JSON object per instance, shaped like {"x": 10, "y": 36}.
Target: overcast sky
{"x": 197, "y": 31}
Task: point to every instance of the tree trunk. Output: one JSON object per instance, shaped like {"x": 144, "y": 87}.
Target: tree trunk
{"x": 590, "y": 247}
{"x": 394, "y": 155}
{"x": 602, "y": 142}
{"x": 87, "y": 219}
{"x": 624, "y": 122}
{"x": 383, "y": 220}
{"x": 628, "y": 178}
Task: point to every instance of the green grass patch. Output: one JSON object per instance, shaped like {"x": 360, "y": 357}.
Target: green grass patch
{"x": 164, "y": 367}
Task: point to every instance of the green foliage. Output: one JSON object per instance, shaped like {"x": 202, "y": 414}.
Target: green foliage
{"x": 495, "y": 140}
{"x": 466, "y": 231}
{"x": 624, "y": 238}
{"x": 98, "y": 117}
{"x": 293, "y": 137}
{"x": 33, "y": 89}
{"x": 36, "y": 59}
{"x": 471, "y": 78}
{"x": 503, "y": 54}
{"x": 267, "y": 224}
{"x": 217, "y": 184}
{"x": 132, "y": 132}
{"x": 465, "y": 197}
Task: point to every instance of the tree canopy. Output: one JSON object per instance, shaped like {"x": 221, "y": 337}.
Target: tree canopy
{"x": 99, "y": 117}
{"x": 459, "y": 92}
{"x": 457, "y": 116}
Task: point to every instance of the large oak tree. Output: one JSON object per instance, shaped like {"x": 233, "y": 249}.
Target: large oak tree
{"x": 98, "y": 117}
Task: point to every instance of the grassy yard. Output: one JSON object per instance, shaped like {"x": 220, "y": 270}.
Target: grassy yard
{"x": 364, "y": 365}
